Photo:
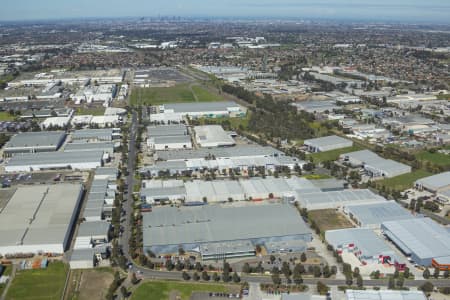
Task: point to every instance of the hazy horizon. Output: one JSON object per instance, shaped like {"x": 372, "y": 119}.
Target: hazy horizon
{"x": 415, "y": 11}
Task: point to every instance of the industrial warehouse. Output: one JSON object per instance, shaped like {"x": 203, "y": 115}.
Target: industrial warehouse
{"x": 39, "y": 219}
{"x": 177, "y": 111}
{"x": 166, "y": 229}
{"x": 374, "y": 165}
{"x": 327, "y": 143}
{"x": 198, "y": 192}
{"x": 373, "y": 215}
{"x": 419, "y": 238}
{"x": 212, "y": 136}
{"x": 33, "y": 142}
{"x": 168, "y": 137}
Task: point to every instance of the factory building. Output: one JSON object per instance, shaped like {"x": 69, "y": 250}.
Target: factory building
{"x": 374, "y": 165}
{"x": 313, "y": 200}
{"x": 168, "y": 137}
{"x": 54, "y": 161}
{"x": 96, "y": 135}
{"x": 384, "y": 295}
{"x": 327, "y": 143}
{"x": 368, "y": 247}
{"x": 435, "y": 183}
{"x": 372, "y": 215}
{"x": 167, "y": 229}
{"x": 34, "y": 142}
{"x": 422, "y": 239}
{"x": 212, "y": 136}
{"x": 39, "y": 218}
{"x": 177, "y": 111}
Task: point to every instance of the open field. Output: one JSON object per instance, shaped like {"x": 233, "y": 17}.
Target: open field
{"x": 402, "y": 182}
{"x": 329, "y": 219}
{"x": 234, "y": 123}
{"x": 158, "y": 290}
{"x": 436, "y": 158}
{"x": 317, "y": 176}
{"x": 6, "y": 272}
{"x": 95, "y": 111}
{"x": 5, "y": 116}
{"x": 39, "y": 284}
{"x": 90, "y": 284}
{"x": 333, "y": 154}
{"x": 174, "y": 94}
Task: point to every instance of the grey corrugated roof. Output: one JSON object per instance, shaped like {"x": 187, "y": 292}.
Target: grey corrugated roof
{"x": 108, "y": 147}
{"x": 384, "y": 295}
{"x": 211, "y": 223}
{"x": 93, "y": 228}
{"x": 370, "y": 244}
{"x": 55, "y": 158}
{"x": 239, "y": 150}
{"x": 170, "y": 139}
{"x": 435, "y": 182}
{"x": 424, "y": 237}
{"x": 36, "y": 139}
{"x": 91, "y": 133}
{"x": 377, "y": 213}
{"x": 165, "y": 191}
{"x": 166, "y": 130}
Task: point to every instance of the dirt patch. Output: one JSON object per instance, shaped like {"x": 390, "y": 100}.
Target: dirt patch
{"x": 94, "y": 284}
{"x": 174, "y": 295}
{"x": 329, "y": 219}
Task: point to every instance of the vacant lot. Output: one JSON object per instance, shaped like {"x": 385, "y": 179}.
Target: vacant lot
{"x": 95, "y": 111}
{"x": 329, "y": 219}
{"x": 177, "y": 93}
{"x": 158, "y": 290}
{"x": 90, "y": 284}
{"x": 333, "y": 154}
{"x": 436, "y": 158}
{"x": 42, "y": 284}
{"x": 402, "y": 182}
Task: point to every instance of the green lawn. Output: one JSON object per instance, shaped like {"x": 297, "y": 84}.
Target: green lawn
{"x": 402, "y": 182}
{"x": 436, "y": 158}
{"x": 317, "y": 176}
{"x": 234, "y": 122}
{"x": 174, "y": 94}
{"x": 157, "y": 290}
{"x": 39, "y": 284}
{"x": 443, "y": 97}
{"x": 333, "y": 154}
{"x": 95, "y": 111}
{"x": 5, "y": 116}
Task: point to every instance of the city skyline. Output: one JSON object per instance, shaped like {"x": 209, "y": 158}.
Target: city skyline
{"x": 415, "y": 11}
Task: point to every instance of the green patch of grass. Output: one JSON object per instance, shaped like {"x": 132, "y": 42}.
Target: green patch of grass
{"x": 439, "y": 159}
{"x": 39, "y": 284}
{"x": 158, "y": 290}
{"x": 317, "y": 176}
{"x": 95, "y": 111}
{"x": 234, "y": 123}
{"x": 443, "y": 97}
{"x": 5, "y": 116}
{"x": 402, "y": 182}
{"x": 175, "y": 94}
{"x": 333, "y": 154}
{"x": 204, "y": 95}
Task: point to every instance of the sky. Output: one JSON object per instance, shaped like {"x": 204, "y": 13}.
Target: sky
{"x": 411, "y": 11}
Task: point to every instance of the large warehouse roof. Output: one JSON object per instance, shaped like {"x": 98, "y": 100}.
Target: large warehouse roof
{"x": 370, "y": 244}
{"x": 435, "y": 182}
{"x": 334, "y": 199}
{"x": 200, "y": 106}
{"x": 384, "y": 295}
{"x": 38, "y": 216}
{"x": 212, "y": 136}
{"x": 236, "y": 151}
{"x": 166, "y": 130}
{"x": 422, "y": 237}
{"x": 36, "y": 139}
{"x": 377, "y": 213}
{"x": 214, "y": 223}
{"x": 53, "y": 158}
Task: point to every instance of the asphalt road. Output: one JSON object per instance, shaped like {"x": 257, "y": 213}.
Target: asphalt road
{"x": 128, "y": 205}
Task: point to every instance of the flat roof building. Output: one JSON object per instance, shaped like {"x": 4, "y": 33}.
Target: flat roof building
{"x": 372, "y": 215}
{"x": 39, "y": 218}
{"x": 33, "y": 142}
{"x": 374, "y": 165}
{"x": 212, "y": 136}
{"x": 168, "y": 137}
{"x": 435, "y": 183}
{"x": 363, "y": 243}
{"x": 336, "y": 199}
{"x": 327, "y": 143}
{"x": 420, "y": 238}
{"x": 54, "y": 160}
{"x": 384, "y": 295}
{"x": 166, "y": 229}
